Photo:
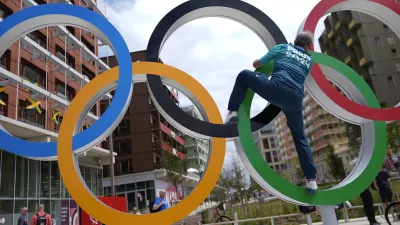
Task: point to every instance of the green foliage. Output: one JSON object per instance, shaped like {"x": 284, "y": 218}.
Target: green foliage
{"x": 175, "y": 167}
{"x": 335, "y": 163}
{"x": 393, "y": 135}
{"x": 354, "y": 135}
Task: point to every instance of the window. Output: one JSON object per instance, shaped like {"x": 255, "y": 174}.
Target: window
{"x": 38, "y": 37}
{"x": 3, "y": 108}
{"x": 4, "y": 11}
{"x": 268, "y": 157}
{"x": 266, "y": 143}
{"x": 33, "y": 73}
{"x": 386, "y": 28}
{"x": 398, "y": 66}
{"x": 60, "y": 90}
{"x": 87, "y": 44}
{"x": 122, "y": 147}
{"x": 57, "y": 128}
{"x": 5, "y": 60}
{"x": 390, "y": 40}
{"x": 124, "y": 167}
{"x": 394, "y": 53}
{"x": 71, "y": 30}
{"x": 87, "y": 72}
{"x": 123, "y": 128}
{"x": 391, "y": 82}
{"x": 31, "y": 114}
{"x": 378, "y": 42}
{"x": 94, "y": 109}
{"x": 60, "y": 53}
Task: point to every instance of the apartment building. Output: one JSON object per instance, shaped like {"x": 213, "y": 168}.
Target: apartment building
{"x": 196, "y": 149}
{"x": 139, "y": 141}
{"x": 370, "y": 47}
{"x": 322, "y": 129}
{"x": 39, "y": 75}
{"x": 269, "y": 148}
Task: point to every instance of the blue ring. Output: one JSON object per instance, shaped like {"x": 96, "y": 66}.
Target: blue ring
{"x": 49, "y": 149}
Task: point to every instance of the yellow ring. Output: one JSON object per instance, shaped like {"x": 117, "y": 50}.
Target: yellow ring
{"x": 77, "y": 187}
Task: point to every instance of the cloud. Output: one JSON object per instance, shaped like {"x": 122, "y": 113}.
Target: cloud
{"x": 213, "y": 50}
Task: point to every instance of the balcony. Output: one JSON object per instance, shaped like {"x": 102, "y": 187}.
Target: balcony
{"x": 364, "y": 62}
{"x": 37, "y": 89}
{"x": 347, "y": 60}
{"x": 353, "y": 24}
{"x": 349, "y": 42}
{"x": 166, "y": 130}
{"x": 171, "y": 150}
{"x": 320, "y": 145}
{"x": 337, "y": 25}
{"x": 330, "y": 34}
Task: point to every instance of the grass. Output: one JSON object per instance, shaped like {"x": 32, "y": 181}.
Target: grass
{"x": 279, "y": 207}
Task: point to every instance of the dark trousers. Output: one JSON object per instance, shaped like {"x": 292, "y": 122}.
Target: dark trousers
{"x": 368, "y": 205}
{"x": 290, "y": 101}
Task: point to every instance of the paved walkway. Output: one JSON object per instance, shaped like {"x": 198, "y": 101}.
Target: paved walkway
{"x": 358, "y": 221}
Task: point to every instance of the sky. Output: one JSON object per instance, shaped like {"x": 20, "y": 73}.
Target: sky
{"x": 213, "y": 50}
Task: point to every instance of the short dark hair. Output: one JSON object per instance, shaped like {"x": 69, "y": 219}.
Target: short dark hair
{"x": 303, "y": 39}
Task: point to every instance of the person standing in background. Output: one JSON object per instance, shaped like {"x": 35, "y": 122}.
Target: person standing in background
{"x": 23, "y": 220}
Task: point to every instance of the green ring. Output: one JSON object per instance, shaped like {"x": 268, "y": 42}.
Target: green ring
{"x": 322, "y": 197}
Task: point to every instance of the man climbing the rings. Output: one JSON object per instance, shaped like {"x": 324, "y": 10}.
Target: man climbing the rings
{"x": 285, "y": 89}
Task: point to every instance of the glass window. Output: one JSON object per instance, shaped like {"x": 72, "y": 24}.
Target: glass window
{"x": 124, "y": 147}
{"x": 151, "y": 195}
{"x": 33, "y": 73}
{"x": 120, "y": 188}
{"x": 107, "y": 191}
{"x": 45, "y": 179}
{"x": 5, "y": 60}
{"x": 7, "y": 167}
{"x": 60, "y": 88}
{"x": 130, "y": 187}
{"x": 88, "y": 177}
{"x": 87, "y": 72}
{"x": 391, "y": 81}
{"x": 21, "y": 184}
{"x": 131, "y": 197}
{"x": 6, "y": 211}
{"x": 100, "y": 182}
{"x": 394, "y": 53}
{"x": 398, "y": 66}
{"x": 266, "y": 143}
{"x": 60, "y": 53}
{"x": 87, "y": 44}
{"x": 268, "y": 157}
{"x": 31, "y": 115}
{"x": 390, "y": 40}
{"x": 124, "y": 128}
{"x": 4, "y": 11}
{"x": 141, "y": 185}
{"x": 55, "y": 180}
{"x": 4, "y": 108}
{"x": 38, "y": 37}
{"x": 93, "y": 176}
{"x": 378, "y": 42}
{"x": 34, "y": 176}
{"x": 71, "y": 30}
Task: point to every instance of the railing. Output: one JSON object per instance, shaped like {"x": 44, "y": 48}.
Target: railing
{"x": 308, "y": 218}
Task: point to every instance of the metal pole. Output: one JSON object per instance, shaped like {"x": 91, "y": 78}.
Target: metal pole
{"x": 236, "y": 219}
{"x": 309, "y": 219}
{"x": 112, "y": 162}
{"x": 328, "y": 215}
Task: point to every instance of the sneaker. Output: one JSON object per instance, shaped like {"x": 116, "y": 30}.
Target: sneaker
{"x": 375, "y": 223}
{"x": 311, "y": 186}
{"x": 231, "y": 118}
{"x": 348, "y": 204}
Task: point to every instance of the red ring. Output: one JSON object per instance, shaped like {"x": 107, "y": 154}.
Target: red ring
{"x": 316, "y": 72}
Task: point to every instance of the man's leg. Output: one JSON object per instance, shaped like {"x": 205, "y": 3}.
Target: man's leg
{"x": 247, "y": 79}
{"x": 296, "y": 125}
{"x": 368, "y": 204}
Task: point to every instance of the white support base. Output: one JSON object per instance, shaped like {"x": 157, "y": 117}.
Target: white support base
{"x": 328, "y": 215}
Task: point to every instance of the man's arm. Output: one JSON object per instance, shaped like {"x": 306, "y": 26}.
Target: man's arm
{"x": 267, "y": 57}
{"x": 158, "y": 203}
{"x": 48, "y": 219}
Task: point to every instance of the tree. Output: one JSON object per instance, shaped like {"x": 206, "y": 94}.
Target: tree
{"x": 238, "y": 177}
{"x": 175, "y": 167}
{"x": 354, "y": 136}
{"x": 393, "y": 135}
{"x": 335, "y": 163}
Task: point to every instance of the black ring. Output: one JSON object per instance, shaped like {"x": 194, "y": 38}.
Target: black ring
{"x": 157, "y": 89}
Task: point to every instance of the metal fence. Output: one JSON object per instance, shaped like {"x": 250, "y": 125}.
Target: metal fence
{"x": 308, "y": 218}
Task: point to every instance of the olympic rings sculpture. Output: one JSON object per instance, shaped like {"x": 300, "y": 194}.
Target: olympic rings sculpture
{"x": 361, "y": 108}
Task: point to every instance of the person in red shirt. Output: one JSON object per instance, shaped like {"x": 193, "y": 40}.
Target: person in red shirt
{"x": 41, "y": 217}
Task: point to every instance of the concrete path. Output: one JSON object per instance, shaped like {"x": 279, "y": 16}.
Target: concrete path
{"x": 358, "y": 221}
